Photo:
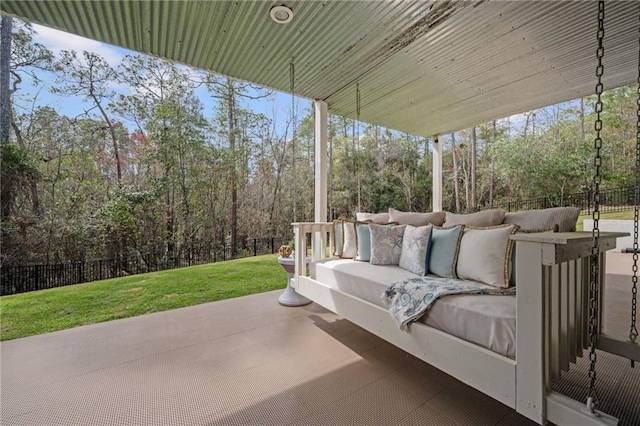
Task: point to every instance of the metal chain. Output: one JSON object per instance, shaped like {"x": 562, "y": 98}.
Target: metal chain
{"x": 592, "y": 400}
{"x": 292, "y": 81}
{"x": 633, "y": 332}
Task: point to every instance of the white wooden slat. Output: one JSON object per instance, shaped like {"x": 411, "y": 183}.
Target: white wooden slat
{"x": 530, "y": 343}
{"x": 555, "y": 322}
{"x": 562, "y": 410}
{"x": 563, "y": 271}
{"x": 547, "y": 324}
{"x": 579, "y": 296}
{"x": 572, "y": 310}
{"x": 585, "y": 300}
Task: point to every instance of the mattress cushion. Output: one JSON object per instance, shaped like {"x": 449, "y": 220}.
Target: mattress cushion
{"x": 488, "y": 321}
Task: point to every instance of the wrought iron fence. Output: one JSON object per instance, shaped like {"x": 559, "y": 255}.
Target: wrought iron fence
{"x": 611, "y": 200}
{"x": 21, "y": 279}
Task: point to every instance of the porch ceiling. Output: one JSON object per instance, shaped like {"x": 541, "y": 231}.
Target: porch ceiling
{"x": 424, "y": 67}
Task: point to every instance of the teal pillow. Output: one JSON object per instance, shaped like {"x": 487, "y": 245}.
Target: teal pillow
{"x": 337, "y": 238}
{"x": 363, "y": 234}
{"x": 443, "y": 251}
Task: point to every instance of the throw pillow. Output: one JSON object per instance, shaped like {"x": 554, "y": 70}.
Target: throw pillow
{"x": 337, "y": 238}
{"x": 443, "y": 251}
{"x": 373, "y": 217}
{"x": 386, "y": 244}
{"x": 416, "y": 219}
{"x": 363, "y": 235}
{"x": 485, "y": 255}
{"x": 415, "y": 244}
{"x": 564, "y": 217}
{"x": 349, "y": 240}
{"x": 480, "y": 219}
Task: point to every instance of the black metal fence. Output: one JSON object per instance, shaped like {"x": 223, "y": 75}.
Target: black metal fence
{"x": 611, "y": 200}
{"x": 21, "y": 279}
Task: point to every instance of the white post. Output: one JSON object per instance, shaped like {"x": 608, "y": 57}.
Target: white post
{"x": 437, "y": 174}
{"x": 321, "y": 160}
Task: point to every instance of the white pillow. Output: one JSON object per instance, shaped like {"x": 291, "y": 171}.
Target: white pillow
{"x": 373, "y": 217}
{"x": 485, "y": 255}
{"x": 349, "y": 240}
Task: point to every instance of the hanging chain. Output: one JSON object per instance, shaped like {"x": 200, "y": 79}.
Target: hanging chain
{"x": 292, "y": 81}
{"x": 358, "y": 143}
{"x": 592, "y": 400}
{"x": 633, "y": 332}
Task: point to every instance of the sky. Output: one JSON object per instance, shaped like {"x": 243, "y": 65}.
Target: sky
{"x": 57, "y": 41}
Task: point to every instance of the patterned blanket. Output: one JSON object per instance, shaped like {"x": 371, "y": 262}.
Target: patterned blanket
{"x": 410, "y": 299}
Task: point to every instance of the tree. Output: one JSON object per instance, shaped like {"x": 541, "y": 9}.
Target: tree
{"x": 5, "y": 77}
{"x": 89, "y": 77}
{"x": 229, "y": 92}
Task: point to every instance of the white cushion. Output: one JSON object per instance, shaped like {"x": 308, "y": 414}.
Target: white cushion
{"x": 349, "y": 240}
{"x": 415, "y": 218}
{"x": 485, "y": 255}
{"x": 373, "y": 217}
{"x": 479, "y": 219}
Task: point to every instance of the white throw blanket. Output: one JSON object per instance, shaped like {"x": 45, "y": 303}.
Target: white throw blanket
{"x": 410, "y": 299}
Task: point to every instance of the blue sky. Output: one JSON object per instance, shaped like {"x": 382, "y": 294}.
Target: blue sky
{"x": 278, "y": 107}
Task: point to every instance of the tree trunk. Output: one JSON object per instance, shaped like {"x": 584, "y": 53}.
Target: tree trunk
{"x": 114, "y": 138}
{"x": 474, "y": 157}
{"x": 492, "y": 177}
{"x": 231, "y": 122}
{"x": 582, "y": 119}
{"x": 456, "y": 182}
{"x": 5, "y": 78}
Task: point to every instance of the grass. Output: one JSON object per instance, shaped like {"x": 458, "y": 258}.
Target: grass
{"x": 44, "y": 311}
{"x": 626, "y": 215}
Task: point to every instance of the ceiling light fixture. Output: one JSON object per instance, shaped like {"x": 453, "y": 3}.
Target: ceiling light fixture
{"x": 281, "y": 14}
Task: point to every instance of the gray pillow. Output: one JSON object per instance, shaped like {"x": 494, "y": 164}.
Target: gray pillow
{"x": 416, "y": 219}
{"x": 386, "y": 244}
{"x": 479, "y": 220}
{"x": 443, "y": 251}
{"x": 373, "y": 217}
{"x": 545, "y": 219}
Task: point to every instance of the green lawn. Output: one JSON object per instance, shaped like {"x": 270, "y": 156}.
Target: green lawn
{"x": 626, "y": 215}
{"x": 44, "y": 311}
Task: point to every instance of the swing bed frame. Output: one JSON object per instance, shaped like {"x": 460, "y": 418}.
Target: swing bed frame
{"x": 552, "y": 323}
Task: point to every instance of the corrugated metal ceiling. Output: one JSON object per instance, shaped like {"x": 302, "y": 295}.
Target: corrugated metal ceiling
{"x": 424, "y": 67}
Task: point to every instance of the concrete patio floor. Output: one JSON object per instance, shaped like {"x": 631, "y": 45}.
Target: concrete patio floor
{"x": 251, "y": 361}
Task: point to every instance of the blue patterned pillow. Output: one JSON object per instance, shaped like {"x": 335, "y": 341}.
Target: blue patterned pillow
{"x": 386, "y": 244}
{"x": 443, "y": 251}
{"x": 415, "y": 245}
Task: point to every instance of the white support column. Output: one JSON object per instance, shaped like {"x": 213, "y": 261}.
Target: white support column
{"x": 437, "y": 174}
{"x": 321, "y": 160}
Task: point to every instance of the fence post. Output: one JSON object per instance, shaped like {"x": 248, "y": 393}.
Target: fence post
{"x": 255, "y": 247}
